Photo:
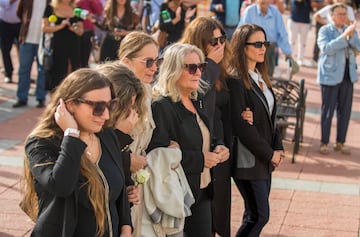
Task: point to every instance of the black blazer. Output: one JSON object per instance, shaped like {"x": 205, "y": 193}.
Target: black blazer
{"x": 174, "y": 122}
{"x": 261, "y": 138}
{"x": 56, "y": 178}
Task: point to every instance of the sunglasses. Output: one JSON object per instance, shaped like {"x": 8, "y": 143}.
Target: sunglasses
{"x": 259, "y": 44}
{"x": 149, "y": 62}
{"x": 214, "y": 41}
{"x": 192, "y": 68}
{"x": 99, "y": 106}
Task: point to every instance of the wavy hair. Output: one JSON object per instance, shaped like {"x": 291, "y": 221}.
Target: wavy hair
{"x": 126, "y": 85}
{"x": 239, "y": 61}
{"x": 171, "y": 70}
{"x": 74, "y": 86}
{"x": 198, "y": 33}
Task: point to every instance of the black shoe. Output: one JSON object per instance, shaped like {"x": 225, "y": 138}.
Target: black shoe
{"x": 19, "y": 104}
{"x": 40, "y": 104}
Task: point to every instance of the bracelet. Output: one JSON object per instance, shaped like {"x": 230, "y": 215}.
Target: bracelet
{"x": 72, "y": 132}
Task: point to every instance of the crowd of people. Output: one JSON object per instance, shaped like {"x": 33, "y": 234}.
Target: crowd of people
{"x": 195, "y": 110}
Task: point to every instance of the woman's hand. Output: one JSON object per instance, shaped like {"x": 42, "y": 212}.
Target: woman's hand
{"x": 134, "y": 194}
{"x": 216, "y": 53}
{"x": 127, "y": 124}
{"x": 63, "y": 118}
{"x": 248, "y": 115}
{"x": 211, "y": 159}
{"x": 277, "y": 158}
{"x": 137, "y": 162}
{"x": 223, "y": 152}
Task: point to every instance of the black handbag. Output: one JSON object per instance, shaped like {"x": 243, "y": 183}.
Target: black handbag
{"x": 242, "y": 156}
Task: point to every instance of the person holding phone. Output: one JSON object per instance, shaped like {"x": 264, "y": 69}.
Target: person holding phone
{"x": 74, "y": 178}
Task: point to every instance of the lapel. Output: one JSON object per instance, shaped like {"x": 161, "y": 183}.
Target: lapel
{"x": 111, "y": 144}
{"x": 262, "y": 98}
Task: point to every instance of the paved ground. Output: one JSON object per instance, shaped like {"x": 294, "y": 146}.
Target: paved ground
{"x": 317, "y": 196}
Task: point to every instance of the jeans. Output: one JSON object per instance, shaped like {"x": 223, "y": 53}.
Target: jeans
{"x": 27, "y": 53}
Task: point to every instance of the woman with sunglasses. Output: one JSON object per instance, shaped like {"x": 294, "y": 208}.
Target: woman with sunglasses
{"x": 250, "y": 87}
{"x": 130, "y": 109}
{"x": 139, "y": 51}
{"x": 209, "y": 35}
{"x": 179, "y": 117}
{"x": 74, "y": 179}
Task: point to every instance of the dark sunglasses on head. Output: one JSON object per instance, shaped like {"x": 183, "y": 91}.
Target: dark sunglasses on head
{"x": 214, "y": 41}
{"x": 99, "y": 106}
{"x": 259, "y": 44}
{"x": 192, "y": 67}
{"x": 149, "y": 62}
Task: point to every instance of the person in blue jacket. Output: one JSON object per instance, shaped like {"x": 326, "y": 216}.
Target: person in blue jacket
{"x": 337, "y": 74}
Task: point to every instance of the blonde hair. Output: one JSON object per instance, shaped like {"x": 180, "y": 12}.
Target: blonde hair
{"x": 73, "y": 86}
{"x": 171, "y": 70}
{"x": 133, "y": 43}
{"x": 126, "y": 85}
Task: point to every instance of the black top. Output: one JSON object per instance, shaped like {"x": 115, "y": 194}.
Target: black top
{"x": 55, "y": 165}
{"x": 175, "y": 122}
{"x": 86, "y": 221}
{"x": 261, "y": 138}
{"x": 174, "y": 31}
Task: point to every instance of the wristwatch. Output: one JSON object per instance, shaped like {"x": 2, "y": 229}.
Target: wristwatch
{"x": 72, "y": 131}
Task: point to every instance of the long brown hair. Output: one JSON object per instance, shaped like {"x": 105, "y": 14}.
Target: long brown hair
{"x": 110, "y": 13}
{"x": 73, "y": 86}
{"x": 239, "y": 62}
{"x": 133, "y": 43}
{"x": 126, "y": 85}
{"x": 198, "y": 33}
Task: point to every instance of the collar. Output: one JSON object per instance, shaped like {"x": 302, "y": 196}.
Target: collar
{"x": 258, "y": 11}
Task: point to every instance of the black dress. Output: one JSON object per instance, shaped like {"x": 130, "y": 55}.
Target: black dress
{"x": 66, "y": 49}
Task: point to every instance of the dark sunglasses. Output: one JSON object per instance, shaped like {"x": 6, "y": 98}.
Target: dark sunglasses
{"x": 149, "y": 62}
{"x": 259, "y": 44}
{"x": 192, "y": 68}
{"x": 214, "y": 41}
{"x": 99, "y": 106}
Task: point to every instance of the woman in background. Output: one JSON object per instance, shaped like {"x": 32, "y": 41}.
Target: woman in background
{"x": 119, "y": 20}
{"x": 250, "y": 87}
{"x": 74, "y": 179}
{"x": 65, "y": 42}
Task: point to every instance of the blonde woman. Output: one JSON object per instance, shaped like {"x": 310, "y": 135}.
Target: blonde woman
{"x": 139, "y": 51}
{"x": 180, "y": 117}
{"x": 74, "y": 179}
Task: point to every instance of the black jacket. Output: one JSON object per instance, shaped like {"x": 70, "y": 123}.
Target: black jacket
{"x": 262, "y": 138}
{"x": 175, "y": 122}
{"x": 56, "y": 177}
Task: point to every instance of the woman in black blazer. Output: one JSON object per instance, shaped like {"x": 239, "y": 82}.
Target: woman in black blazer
{"x": 179, "y": 117}
{"x": 250, "y": 88}
{"x": 73, "y": 171}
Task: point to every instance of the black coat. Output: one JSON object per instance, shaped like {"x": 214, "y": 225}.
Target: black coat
{"x": 56, "y": 177}
{"x": 174, "y": 122}
{"x": 261, "y": 138}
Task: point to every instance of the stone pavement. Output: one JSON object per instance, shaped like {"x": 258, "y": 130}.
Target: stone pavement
{"x": 317, "y": 196}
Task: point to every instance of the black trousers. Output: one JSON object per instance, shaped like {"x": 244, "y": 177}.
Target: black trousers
{"x": 199, "y": 223}
{"x": 9, "y": 34}
{"x": 85, "y": 48}
{"x": 257, "y": 210}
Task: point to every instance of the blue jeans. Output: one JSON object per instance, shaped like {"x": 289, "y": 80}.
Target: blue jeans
{"x": 27, "y": 53}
